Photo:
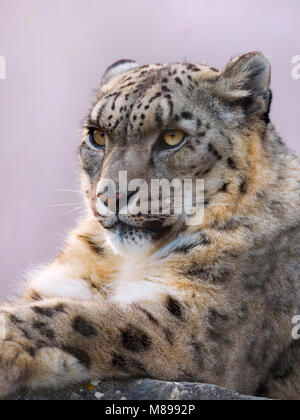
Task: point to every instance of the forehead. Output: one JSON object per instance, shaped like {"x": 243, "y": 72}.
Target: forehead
{"x": 158, "y": 91}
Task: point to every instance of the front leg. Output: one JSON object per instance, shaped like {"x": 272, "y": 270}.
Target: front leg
{"x": 32, "y": 349}
{"x": 56, "y": 342}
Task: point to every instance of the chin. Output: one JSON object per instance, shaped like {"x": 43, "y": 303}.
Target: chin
{"x": 126, "y": 239}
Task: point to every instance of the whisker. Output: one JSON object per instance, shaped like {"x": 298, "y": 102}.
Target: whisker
{"x": 63, "y": 205}
{"x": 73, "y": 191}
{"x": 74, "y": 210}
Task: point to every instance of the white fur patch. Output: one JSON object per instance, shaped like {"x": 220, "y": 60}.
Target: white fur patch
{"x": 95, "y": 111}
{"x": 128, "y": 248}
{"x": 139, "y": 280}
{"x": 54, "y": 282}
{"x": 188, "y": 125}
{"x": 142, "y": 277}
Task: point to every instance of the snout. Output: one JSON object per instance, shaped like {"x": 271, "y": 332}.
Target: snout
{"x": 117, "y": 202}
{"x": 122, "y": 215}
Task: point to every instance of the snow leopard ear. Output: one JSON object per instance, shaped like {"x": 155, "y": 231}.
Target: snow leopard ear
{"x": 118, "y": 68}
{"x": 247, "y": 75}
{"x": 246, "y": 80}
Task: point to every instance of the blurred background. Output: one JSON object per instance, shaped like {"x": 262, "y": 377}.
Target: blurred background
{"x": 56, "y": 52}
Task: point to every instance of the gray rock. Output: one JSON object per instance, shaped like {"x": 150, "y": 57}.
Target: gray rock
{"x": 144, "y": 389}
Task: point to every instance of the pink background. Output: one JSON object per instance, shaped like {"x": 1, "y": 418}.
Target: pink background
{"x": 56, "y": 51}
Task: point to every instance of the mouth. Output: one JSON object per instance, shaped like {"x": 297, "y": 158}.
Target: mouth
{"x": 153, "y": 231}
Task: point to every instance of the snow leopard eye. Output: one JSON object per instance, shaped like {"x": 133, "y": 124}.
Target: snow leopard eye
{"x": 173, "y": 137}
{"x": 98, "y": 138}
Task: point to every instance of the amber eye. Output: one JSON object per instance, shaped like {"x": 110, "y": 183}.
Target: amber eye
{"x": 98, "y": 138}
{"x": 173, "y": 137}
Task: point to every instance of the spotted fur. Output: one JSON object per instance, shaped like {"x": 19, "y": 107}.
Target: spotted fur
{"x": 151, "y": 295}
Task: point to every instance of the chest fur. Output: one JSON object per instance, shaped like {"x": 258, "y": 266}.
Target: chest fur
{"x": 138, "y": 280}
